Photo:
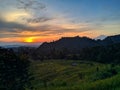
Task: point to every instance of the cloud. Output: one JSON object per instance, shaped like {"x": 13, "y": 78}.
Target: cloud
{"x": 12, "y": 29}
{"x": 11, "y": 26}
{"x": 22, "y": 35}
{"x": 38, "y": 19}
{"x": 32, "y": 7}
{"x": 29, "y": 5}
{"x": 31, "y": 20}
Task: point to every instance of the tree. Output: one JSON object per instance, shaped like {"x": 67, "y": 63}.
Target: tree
{"x": 14, "y": 73}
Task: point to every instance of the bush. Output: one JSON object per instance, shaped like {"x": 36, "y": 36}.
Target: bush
{"x": 104, "y": 74}
{"x": 13, "y": 71}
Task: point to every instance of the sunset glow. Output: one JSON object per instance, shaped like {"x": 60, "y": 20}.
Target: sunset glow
{"x": 21, "y": 22}
{"x": 28, "y": 40}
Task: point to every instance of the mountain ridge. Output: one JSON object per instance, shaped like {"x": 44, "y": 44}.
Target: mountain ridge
{"x": 76, "y": 44}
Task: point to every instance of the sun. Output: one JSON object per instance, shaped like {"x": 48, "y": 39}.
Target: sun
{"x": 29, "y": 40}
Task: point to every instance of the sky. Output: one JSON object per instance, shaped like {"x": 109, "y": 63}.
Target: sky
{"x": 33, "y": 21}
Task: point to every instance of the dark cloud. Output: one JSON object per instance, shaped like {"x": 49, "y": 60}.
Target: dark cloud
{"x": 13, "y": 29}
{"x": 12, "y": 25}
{"x": 32, "y": 7}
{"x": 38, "y": 19}
{"x": 17, "y": 27}
{"x": 5, "y": 35}
{"x": 29, "y": 5}
{"x": 9, "y": 35}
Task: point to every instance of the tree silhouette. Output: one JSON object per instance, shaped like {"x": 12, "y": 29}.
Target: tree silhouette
{"x": 13, "y": 71}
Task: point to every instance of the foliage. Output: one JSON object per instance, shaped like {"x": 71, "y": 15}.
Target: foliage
{"x": 62, "y": 75}
{"x": 103, "y": 54}
{"x": 104, "y": 74}
{"x": 13, "y": 71}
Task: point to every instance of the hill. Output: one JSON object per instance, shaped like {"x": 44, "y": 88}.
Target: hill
{"x": 78, "y": 43}
{"x": 73, "y": 44}
{"x": 73, "y": 47}
{"x": 111, "y": 40}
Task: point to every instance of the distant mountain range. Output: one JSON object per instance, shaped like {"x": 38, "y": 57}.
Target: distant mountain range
{"x": 80, "y": 48}
{"x": 71, "y": 43}
{"x": 16, "y": 45}
{"x": 101, "y": 37}
{"x": 75, "y": 44}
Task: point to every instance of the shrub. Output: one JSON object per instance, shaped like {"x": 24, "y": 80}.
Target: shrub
{"x": 104, "y": 74}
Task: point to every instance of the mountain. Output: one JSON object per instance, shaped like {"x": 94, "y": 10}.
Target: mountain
{"x": 17, "y": 45}
{"x": 72, "y": 44}
{"x": 77, "y": 43}
{"x": 101, "y": 37}
{"x": 111, "y": 40}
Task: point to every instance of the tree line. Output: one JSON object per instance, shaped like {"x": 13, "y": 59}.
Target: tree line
{"x": 14, "y": 73}
{"x": 104, "y": 54}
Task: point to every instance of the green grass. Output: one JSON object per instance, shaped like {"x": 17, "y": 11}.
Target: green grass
{"x": 62, "y": 75}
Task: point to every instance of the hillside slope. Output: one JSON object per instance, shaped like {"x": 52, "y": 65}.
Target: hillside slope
{"x": 74, "y": 75}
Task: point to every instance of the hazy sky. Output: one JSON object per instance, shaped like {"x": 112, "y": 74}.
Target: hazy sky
{"x": 47, "y": 20}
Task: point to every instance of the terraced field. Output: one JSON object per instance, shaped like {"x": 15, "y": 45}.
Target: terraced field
{"x": 74, "y": 75}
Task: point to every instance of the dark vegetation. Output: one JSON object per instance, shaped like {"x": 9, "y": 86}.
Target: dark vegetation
{"x": 77, "y": 48}
{"x": 14, "y": 73}
{"x": 65, "y": 75}
{"x": 103, "y": 54}
{"x": 67, "y": 64}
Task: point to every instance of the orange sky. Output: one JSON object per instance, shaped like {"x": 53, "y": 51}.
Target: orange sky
{"x": 22, "y": 22}
{"x": 49, "y": 38}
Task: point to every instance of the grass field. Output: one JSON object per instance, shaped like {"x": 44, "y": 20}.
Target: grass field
{"x": 74, "y": 75}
